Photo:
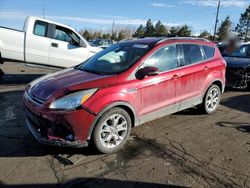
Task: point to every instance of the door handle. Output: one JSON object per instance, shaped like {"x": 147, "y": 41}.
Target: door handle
{"x": 206, "y": 68}
{"x": 54, "y": 45}
{"x": 176, "y": 76}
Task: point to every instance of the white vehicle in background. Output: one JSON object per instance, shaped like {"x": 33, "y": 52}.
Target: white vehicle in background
{"x": 44, "y": 42}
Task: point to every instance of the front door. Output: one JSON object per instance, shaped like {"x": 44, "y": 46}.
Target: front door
{"x": 157, "y": 93}
{"x": 65, "y": 49}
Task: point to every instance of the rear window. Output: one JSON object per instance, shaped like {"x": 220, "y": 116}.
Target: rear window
{"x": 209, "y": 51}
{"x": 192, "y": 53}
{"x": 41, "y": 28}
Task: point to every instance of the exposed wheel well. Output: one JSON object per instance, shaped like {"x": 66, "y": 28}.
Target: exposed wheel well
{"x": 219, "y": 84}
{"x": 129, "y": 111}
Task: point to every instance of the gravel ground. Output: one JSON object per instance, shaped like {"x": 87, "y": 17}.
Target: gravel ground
{"x": 185, "y": 149}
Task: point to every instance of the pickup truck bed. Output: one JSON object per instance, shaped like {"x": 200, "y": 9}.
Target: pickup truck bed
{"x": 13, "y": 45}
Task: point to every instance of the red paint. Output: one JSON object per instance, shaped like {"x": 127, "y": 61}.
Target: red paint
{"x": 145, "y": 96}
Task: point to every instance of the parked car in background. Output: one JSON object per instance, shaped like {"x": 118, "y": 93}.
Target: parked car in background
{"x": 238, "y": 67}
{"x": 44, "y": 42}
{"x": 102, "y": 43}
{"x": 125, "y": 85}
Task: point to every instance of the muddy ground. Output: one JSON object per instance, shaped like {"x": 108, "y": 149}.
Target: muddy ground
{"x": 185, "y": 149}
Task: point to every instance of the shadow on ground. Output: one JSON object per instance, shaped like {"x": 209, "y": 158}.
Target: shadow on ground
{"x": 241, "y": 103}
{"x": 19, "y": 78}
{"x": 243, "y": 127}
{"x": 94, "y": 183}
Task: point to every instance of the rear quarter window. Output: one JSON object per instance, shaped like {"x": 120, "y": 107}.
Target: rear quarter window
{"x": 192, "y": 53}
{"x": 40, "y": 28}
{"x": 209, "y": 51}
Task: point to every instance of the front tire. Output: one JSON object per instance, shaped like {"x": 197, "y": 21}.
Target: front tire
{"x": 211, "y": 100}
{"x": 112, "y": 130}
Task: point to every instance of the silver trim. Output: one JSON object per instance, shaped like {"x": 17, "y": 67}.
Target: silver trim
{"x": 182, "y": 38}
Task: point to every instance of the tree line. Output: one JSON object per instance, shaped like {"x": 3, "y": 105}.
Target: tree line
{"x": 149, "y": 30}
{"x": 160, "y": 30}
{"x": 225, "y": 30}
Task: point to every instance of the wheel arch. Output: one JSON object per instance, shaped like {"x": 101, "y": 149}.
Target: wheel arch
{"x": 217, "y": 82}
{"x": 121, "y": 104}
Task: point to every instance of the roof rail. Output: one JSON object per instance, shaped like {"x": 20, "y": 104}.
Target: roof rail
{"x": 182, "y": 38}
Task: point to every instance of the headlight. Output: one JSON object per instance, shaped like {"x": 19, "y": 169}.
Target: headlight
{"x": 73, "y": 100}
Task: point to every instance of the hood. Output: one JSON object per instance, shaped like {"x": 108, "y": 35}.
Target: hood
{"x": 237, "y": 62}
{"x": 46, "y": 86}
{"x": 94, "y": 49}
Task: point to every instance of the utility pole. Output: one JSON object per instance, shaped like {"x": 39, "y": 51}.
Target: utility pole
{"x": 216, "y": 20}
{"x": 113, "y": 27}
{"x": 247, "y": 29}
{"x": 43, "y": 13}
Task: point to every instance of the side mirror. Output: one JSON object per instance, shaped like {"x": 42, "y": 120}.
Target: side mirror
{"x": 82, "y": 44}
{"x": 147, "y": 71}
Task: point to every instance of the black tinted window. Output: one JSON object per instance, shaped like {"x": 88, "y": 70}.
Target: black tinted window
{"x": 164, "y": 59}
{"x": 66, "y": 35}
{"x": 209, "y": 51}
{"x": 192, "y": 53}
{"x": 41, "y": 28}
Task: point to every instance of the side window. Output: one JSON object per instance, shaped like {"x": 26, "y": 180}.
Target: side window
{"x": 66, "y": 35}
{"x": 40, "y": 28}
{"x": 209, "y": 51}
{"x": 164, "y": 59}
{"x": 192, "y": 53}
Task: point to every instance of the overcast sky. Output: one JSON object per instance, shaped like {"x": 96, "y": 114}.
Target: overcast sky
{"x": 99, "y": 14}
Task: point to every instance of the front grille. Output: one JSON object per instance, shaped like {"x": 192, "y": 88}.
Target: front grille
{"x": 238, "y": 77}
{"x": 43, "y": 126}
{"x": 33, "y": 99}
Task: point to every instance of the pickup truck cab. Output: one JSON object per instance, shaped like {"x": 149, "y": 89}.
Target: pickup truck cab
{"x": 44, "y": 42}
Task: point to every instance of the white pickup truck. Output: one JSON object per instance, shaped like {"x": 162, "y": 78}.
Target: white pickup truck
{"x": 44, "y": 42}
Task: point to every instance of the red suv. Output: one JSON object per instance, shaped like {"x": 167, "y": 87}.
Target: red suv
{"x": 125, "y": 85}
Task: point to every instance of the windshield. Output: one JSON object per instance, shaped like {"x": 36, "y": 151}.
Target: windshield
{"x": 115, "y": 59}
{"x": 243, "y": 52}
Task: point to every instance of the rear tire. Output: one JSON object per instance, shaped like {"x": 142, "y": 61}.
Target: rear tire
{"x": 112, "y": 130}
{"x": 211, "y": 100}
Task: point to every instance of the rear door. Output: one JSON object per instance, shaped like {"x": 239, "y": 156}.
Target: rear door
{"x": 158, "y": 93}
{"x": 37, "y": 43}
{"x": 65, "y": 49}
{"x": 195, "y": 69}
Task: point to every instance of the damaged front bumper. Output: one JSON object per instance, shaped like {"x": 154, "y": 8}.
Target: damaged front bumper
{"x": 57, "y": 128}
{"x": 238, "y": 77}
{"x": 54, "y": 141}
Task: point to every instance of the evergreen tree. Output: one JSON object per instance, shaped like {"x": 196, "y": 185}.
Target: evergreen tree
{"x": 204, "y": 34}
{"x": 121, "y": 36}
{"x": 224, "y": 29}
{"x": 139, "y": 32}
{"x": 174, "y": 31}
{"x": 114, "y": 36}
{"x": 184, "y": 31}
{"x": 243, "y": 27}
{"x": 160, "y": 29}
{"x": 87, "y": 35}
{"x": 149, "y": 29}
{"x": 106, "y": 36}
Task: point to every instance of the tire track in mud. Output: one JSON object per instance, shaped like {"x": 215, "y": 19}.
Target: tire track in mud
{"x": 176, "y": 154}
